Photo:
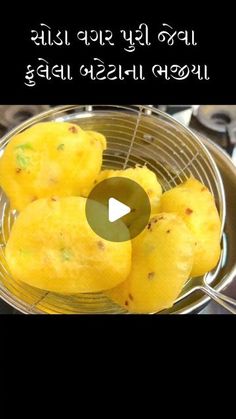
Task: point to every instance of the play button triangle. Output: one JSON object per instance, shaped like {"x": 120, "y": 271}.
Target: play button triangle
{"x": 116, "y": 210}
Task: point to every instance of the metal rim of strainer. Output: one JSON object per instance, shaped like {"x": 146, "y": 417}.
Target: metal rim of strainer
{"x": 82, "y": 110}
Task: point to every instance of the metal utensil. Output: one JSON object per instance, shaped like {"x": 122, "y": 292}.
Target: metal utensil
{"x": 135, "y": 135}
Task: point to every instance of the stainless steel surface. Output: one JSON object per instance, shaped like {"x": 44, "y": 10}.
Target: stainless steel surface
{"x": 216, "y": 117}
{"x": 228, "y": 274}
{"x": 225, "y": 137}
{"x": 226, "y": 302}
{"x": 12, "y": 115}
{"x": 224, "y": 280}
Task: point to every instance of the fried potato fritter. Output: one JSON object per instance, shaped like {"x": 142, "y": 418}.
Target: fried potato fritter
{"x": 162, "y": 259}
{"x": 50, "y": 159}
{"x": 52, "y": 247}
{"x": 145, "y": 177}
{"x": 195, "y": 204}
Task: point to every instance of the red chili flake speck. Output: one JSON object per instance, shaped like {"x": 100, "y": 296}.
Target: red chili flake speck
{"x": 151, "y": 275}
{"x": 18, "y": 170}
{"x": 168, "y": 231}
{"x": 131, "y": 297}
{"x": 126, "y": 303}
{"x": 188, "y": 211}
{"x": 101, "y": 245}
{"x": 73, "y": 129}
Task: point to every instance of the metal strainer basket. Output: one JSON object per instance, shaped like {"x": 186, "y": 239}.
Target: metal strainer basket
{"x": 135, "y": 135}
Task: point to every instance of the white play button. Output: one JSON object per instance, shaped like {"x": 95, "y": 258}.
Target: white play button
{"x": 116, "y": 210}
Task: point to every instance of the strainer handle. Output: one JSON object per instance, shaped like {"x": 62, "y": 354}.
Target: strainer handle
{"x": 226, "y": 302}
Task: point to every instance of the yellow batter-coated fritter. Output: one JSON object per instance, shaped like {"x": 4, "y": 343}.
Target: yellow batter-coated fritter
{"x": 52, "y": 247}
{"x": 50, "y": 159}
{"x": 195, "y": 204}
{"x": 143, "y": 176}
{"x": 162, "y": 259}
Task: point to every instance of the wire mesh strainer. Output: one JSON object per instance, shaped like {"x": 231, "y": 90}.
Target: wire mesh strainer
{"x": 135, "y": 135}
